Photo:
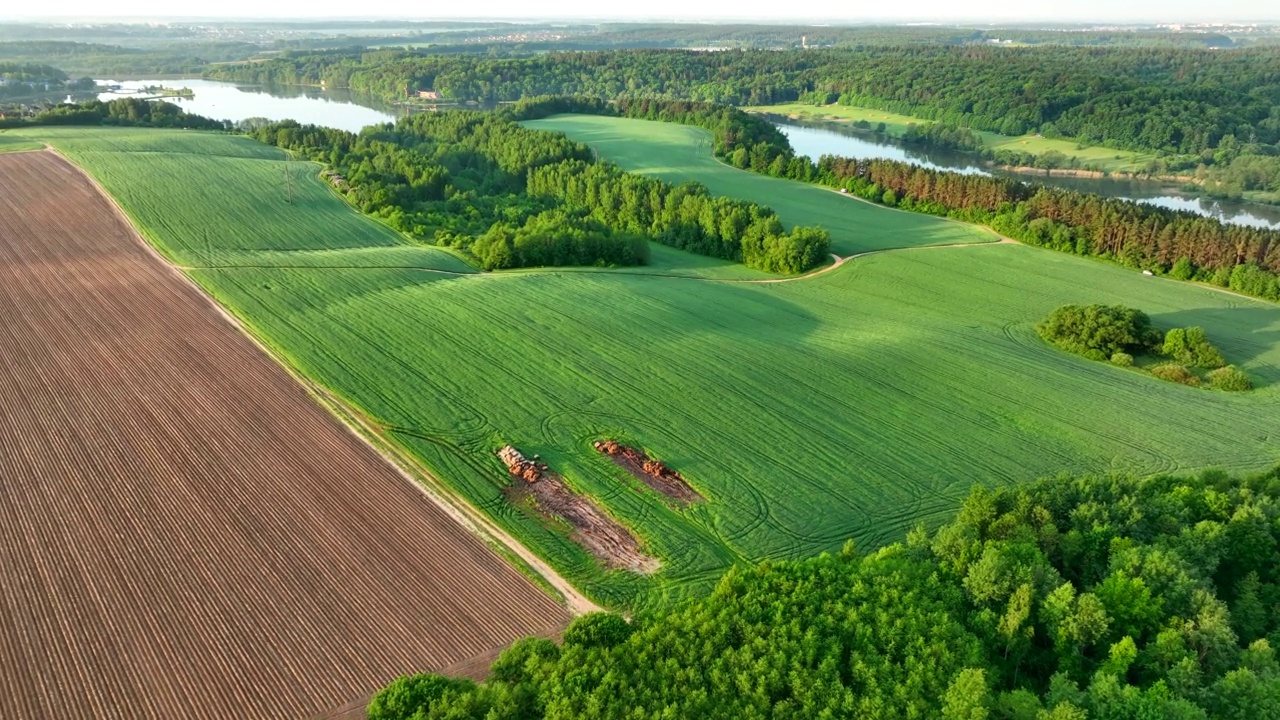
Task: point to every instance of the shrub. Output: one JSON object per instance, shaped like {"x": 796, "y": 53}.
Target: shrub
{"x": 1098, "y": 331}
{"x": 416, "y": 694}
{"x": 1173, "y": 372}
{"x": 1122, "y": 359}
{"x": 597, "y": 629}
{"x": 1191, "y": 346}
{"x": 1229, "y": 378}
{"x": 1182, "y": 269}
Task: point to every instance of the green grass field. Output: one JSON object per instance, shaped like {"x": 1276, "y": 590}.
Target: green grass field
{"x": 9, "y": 142}
{"x": 1108, "y": 159}
{"x": 677, "y": 153}
{"x": 850, "y": 405}
{"x": 205, "y": 203}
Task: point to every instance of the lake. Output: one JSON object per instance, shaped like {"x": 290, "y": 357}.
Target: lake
{"x": 309, "y": 106}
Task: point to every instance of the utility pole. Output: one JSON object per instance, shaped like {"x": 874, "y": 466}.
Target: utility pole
{"x": 288, "y": 183}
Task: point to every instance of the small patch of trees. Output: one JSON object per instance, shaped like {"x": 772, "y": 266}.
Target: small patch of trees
{"x": 1190, "y": 346}
{"x": 1099, "y": 332}
{"x": 1116, "y": 333}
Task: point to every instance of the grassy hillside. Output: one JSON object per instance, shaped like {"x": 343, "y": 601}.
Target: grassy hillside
{"x": 677, "y": 153}
{"x": 853, "y": 404}
{"x": 1108, "y": 159}
{"x": 209, "y": 200}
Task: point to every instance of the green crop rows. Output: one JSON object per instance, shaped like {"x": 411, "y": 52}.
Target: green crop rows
{"x": 852, "y": 404}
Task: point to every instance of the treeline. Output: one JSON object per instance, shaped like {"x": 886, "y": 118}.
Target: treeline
{"x": 740, "y": 139}
{"x": 102, "y": 60}
{"x": 1179, "y": 243}
{"x": 122, "y": 111}
{"x": 1182, "y": 101}
{"x": 1066, "y": 599}
{"x": 515, "y": 197}
{"x": 683, "y": 216}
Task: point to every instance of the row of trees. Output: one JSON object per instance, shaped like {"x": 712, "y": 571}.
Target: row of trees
{"x": 122, "y": 111}
{"x": 1187, "y": 101}
{"x": 684, "y": 216}
{"x": 1182, "y": 244}
{"x": 516, "y": 197}
{"x": 1067, "y": 599}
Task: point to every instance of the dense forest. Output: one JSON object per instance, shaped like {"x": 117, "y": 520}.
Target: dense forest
{"x": 102, "y": 60}
{"x": 515, "y": 197}
{"x": 1195, "y": 106}
{"x": 1066, "y": 599}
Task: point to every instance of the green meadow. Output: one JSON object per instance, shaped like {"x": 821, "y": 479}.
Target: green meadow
{"x": 9, "y": 142}
{"x": 853, "y": 404}
{"x": 677, "y": 153}
{"x": 1108, "y": 159}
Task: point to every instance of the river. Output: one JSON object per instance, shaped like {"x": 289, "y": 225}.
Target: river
{"x": 348, "y": 111}
{"x": 815, "y": 142}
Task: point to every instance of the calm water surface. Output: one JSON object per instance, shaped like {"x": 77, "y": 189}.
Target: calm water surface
{"x": 815, "y": 142}
{"x": 310, "y": 106}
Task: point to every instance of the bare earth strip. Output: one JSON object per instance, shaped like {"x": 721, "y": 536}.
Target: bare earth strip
{"x": 184, "y": 533}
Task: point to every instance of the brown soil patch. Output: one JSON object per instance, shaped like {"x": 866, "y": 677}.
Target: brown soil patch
{"x": 604, "y": 537}
{"x": 184, "y": 532}
{"x": 653, "y": 473}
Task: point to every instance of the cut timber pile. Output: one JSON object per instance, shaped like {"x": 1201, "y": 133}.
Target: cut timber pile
{"x": 603, "y": 536}
{"x": 653, "y": 473}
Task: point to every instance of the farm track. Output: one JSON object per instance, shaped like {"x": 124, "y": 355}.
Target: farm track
{"x": 184, "y": 531}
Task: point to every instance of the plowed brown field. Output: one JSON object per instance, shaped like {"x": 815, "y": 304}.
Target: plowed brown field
{"x": 184, "y": 533}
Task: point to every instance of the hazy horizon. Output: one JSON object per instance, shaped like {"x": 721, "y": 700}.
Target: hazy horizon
{"x": 812, "y": 11}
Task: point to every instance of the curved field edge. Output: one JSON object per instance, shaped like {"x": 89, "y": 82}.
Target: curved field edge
{"x": 678, "y": 153}
{"x": 853, "y": 404}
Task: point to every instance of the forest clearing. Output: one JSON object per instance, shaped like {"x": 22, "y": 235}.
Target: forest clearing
{"x": 186, "y": 532}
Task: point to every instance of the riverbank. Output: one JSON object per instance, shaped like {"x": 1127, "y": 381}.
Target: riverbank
{"x": 894, "y": 125}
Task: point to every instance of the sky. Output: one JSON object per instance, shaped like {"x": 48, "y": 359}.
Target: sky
{"x": 791, "y": 11}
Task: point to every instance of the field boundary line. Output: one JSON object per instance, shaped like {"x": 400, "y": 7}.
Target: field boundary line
{"x": 353, "y": 420}
{"x": 404, "y": 238}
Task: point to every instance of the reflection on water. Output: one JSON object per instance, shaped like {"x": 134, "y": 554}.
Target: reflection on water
{"x": 227, "y": 101}
{"x": 815, "y": 142}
